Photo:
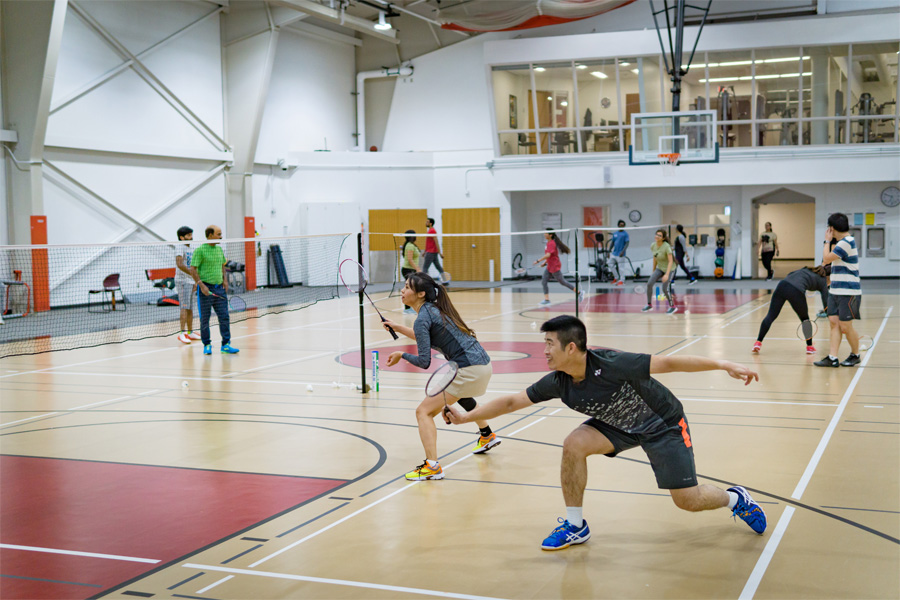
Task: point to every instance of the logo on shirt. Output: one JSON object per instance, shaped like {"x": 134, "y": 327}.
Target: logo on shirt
{"x": 597, "y": 372}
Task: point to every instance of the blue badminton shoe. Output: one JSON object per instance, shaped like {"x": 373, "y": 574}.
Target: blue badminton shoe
{"x": 566, "y": 535}
{"x": 229, "y": 349}
{"x": 207, "y": 349}
{"x": 749, "y": 510}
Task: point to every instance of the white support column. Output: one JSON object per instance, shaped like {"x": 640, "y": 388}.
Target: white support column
{"x": 248, "y": 70}
{"x": 31, "y": 35}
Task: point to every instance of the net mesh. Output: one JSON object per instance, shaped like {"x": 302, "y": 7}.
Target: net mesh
{"x": 481, "y": 261}
{"x": 77, "y": 296}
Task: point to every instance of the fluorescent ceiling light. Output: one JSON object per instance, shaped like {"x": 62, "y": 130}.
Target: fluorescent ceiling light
{"x": 624, "y": 64}
{"x": 748, "y": 77}
{"x": 635, "y": 71}
{"x": 581, "y": 66}
{"x": 382, "y": 24}
{"x": 599, "y": 75}
{"x": 549, "y": 97}
{"x": 747, "y": 62}
{"x": 563, "y": 103}
{"x": 539, "y": 69}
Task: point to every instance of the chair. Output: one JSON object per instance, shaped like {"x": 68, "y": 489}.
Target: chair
{"x": 110, "y": 286}
{"x": 523, "y": 141}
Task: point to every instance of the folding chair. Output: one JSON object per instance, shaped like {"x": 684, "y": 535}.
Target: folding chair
{"x": 110, "y": 286}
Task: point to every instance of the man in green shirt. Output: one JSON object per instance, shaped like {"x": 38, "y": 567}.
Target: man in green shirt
{"x": 208, "y": 271}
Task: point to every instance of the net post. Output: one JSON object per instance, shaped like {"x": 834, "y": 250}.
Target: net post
{"x": 362, "y": 325}
{"x": 577, "y": 277}
{"x": 40, "y": 265}
{"x": 249, "y": 254}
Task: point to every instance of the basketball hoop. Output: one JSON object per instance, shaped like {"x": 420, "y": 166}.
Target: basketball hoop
{"x": 668, "y": 161}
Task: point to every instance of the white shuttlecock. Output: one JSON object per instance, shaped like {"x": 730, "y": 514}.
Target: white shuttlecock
{"x": 184, "y": 384}
{"x": 533, "y": 325}
{"x": 335, "y": 384}
{"x": 358, "y": 387}
{"x": 309, "y": 388}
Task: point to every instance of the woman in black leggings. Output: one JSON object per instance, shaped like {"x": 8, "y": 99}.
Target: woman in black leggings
{"x": 793, "y": 289}
{"x": 680, "y": 254}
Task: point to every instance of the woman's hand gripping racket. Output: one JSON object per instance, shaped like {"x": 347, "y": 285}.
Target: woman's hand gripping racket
{"x": 355, "y": 279}
{"x": 438, "y": 383}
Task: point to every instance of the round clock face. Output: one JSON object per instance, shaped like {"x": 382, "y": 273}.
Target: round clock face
{"x": 605, "y": 102}
{"x": 890, "y": 196}
{"x": 634, "y": 216}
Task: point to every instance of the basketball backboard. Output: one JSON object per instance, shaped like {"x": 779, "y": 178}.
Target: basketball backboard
{"x": 692, "y": 134}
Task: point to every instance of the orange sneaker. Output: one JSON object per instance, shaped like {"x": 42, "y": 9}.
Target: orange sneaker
{"x": 486, "y": 443}
{"x": 424, "y": 472}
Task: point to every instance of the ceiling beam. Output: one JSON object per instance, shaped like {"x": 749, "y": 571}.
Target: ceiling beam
{"x": 339, "y": 18}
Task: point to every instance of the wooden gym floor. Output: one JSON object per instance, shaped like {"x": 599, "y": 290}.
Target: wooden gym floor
{"x": 118, "y": 480}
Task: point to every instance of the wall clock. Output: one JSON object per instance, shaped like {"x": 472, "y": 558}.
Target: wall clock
{"x": 634, "y": 216}
{"x": 890, "y": 196}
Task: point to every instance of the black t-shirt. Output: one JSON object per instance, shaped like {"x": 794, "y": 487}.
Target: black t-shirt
{"x": 617, "y": 390}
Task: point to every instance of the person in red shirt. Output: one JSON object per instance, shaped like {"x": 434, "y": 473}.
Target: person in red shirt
{"x": 554, "y": 267}
{"x": 433, "y": 254}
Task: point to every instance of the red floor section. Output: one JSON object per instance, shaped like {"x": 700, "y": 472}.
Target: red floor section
{"x": 627, "y": 301}
{"x": 138, "y": 511}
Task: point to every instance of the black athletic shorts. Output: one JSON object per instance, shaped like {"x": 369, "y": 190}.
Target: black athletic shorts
{"x": 670, "y": 451}
{"x": 845, "y": 307}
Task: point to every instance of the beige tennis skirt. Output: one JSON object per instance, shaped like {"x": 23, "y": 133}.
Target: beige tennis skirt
{"x": 471, "y": 382}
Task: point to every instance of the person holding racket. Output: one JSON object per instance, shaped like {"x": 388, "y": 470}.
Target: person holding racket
{"x": 208, "y": 270}
{"x": 438, "y": 325}
{"x": 553, "y": 269}
{"x": 627, "y": 408}
{"x": 793, "y": 289}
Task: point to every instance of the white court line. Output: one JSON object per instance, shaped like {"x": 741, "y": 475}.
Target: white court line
{"x": 762, "y": 564}
{"x": 768, "y": 552}
{"x": 776, "y": 402}
{"x": 355, "y": 584}
{"x": 524, "y": 428}
{"x": 78, "y": 408}
{"x": 685, "y": 346}
{"x": 77, "y": 553}
{"x": 212, "y": 585}
{"x": 240, "y": 337}
{"x": 350, "y": 516}
{"x": 286, "y": 362}
{"x": 749, "y": 312}
{"x": 871, "y": 406}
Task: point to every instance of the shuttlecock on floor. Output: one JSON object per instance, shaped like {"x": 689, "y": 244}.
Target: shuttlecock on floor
{"x": 309, "y": 388}
{"x": 533, "y": 325}
{"x": 335, "y": 384}
{"x": 184, "y": 384}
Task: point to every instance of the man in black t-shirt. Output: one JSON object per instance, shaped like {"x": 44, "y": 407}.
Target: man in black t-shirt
{"x": 627, "y": 408}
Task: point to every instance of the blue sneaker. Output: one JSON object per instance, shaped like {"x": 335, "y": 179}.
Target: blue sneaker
{"x": 749, "y": 510}
{"x": 229, "y": 349}
{"x": 207, "y": 349}
{"x": 566, "y": 535}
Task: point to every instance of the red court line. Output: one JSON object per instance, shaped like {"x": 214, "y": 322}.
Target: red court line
{"x": 152, "y": 512}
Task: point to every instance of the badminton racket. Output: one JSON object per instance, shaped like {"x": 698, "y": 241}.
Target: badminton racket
{"x": 355, "y": 279}
{"x": 438, "y": 383}
{"x": 807, "y": 329}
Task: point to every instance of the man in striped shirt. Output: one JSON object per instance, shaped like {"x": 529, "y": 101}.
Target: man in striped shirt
{"x": 845, "y": 294}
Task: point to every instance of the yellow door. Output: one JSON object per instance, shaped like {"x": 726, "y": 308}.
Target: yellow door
{"x": 468, "y": 258}
{"x": 382, "y": 225}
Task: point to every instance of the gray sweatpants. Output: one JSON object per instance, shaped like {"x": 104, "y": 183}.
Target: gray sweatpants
{"x": 557, "y": 276}
{"x": 667, "y": 287}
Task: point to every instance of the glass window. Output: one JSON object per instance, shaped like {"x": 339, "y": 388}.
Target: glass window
{"x": 731, "y": 92}
{"x": 598, "y": 104}
{"x": 693, "y": 85}
{"x": 650, "y": 74}
{"x": 699, "y": 219}
{"x": 873, "y": 92}
{"x": 630, "y": 94}
{"x": 555, "y": 92}
{"x": 824, "y": 93}
{"x": 512, "y": 87}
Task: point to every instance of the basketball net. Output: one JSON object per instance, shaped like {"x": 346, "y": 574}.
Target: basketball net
{"x": 668, "y": 162}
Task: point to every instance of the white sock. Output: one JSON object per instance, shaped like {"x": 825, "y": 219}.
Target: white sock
{"x": 832, "y": 357}
{"x": 732, "y": 500}
{"x": 573, "y": 516}
{"x": 433, "y": 463}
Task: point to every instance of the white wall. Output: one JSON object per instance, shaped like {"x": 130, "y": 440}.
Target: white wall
{"x": 310, "y": 98}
